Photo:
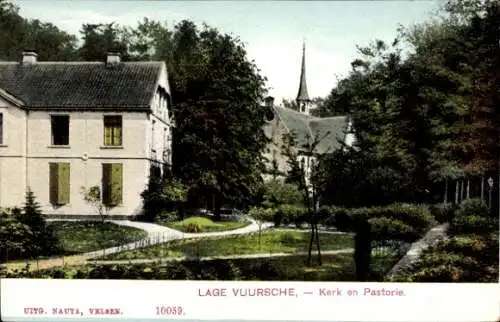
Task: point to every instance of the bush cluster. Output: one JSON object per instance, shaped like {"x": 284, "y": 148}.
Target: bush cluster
{"x": 282, "y": 215}
{"x": 405, "y": 222}
{"x": 24, "y": 232}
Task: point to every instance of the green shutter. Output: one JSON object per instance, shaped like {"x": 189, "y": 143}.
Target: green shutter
{"x": 106, "y": 180}
{"x": 64, "y": 184}
{"x": 108, "y": 134}
{"x": 117, "y": 135}
{"x": 53, "y": 182}
{"x": 116, "y": 184}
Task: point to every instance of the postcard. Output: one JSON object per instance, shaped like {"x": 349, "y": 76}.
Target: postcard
{"x": 252, "y": 160}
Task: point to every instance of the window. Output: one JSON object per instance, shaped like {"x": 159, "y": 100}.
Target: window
{"x": 112, "y": 130}
{"x": 60, "y": 129}
{"x": 1, "y": 128}
{"x": 59, "y": 178}
{"x": 112, "y": 184}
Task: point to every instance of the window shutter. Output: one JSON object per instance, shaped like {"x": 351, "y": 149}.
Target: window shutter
{"x": 64, "y": 184}
{"x": 106, "y": 179}
{"x": 108, "y": 134}
{"x": 53, "y": 182}
{"x": 117, "y": 138}
{"x": 117, "y": 184}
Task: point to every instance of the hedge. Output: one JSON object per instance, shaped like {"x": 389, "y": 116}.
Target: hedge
{"x": 397, "y": 222}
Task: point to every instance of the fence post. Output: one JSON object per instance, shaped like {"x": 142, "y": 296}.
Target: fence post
{"x": 363, "y": 251}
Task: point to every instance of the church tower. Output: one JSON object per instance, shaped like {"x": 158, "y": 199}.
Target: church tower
{"x": 303, "y": 100}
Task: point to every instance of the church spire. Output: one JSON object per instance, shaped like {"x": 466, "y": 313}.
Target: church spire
{"x": 302, "y": 96}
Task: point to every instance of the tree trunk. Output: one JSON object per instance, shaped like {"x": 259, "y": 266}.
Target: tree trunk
{"x": 446, "y": 191}
{"x": 482, "y": 188}
{"x": 468, "y": 189}
{"x": 217, "y": 205}
{"x": 457, "y": 189}
{"x": 461, "y": 190}
{"x": 315, "y": 218}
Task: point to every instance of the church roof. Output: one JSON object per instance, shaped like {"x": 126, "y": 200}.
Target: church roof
{"x": 303, "y": 95}
{"x": 330, "y": 131}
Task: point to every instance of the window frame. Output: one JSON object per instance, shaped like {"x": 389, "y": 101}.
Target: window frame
{"x": 54, "y": 125}
{"x": 113, "y": 123}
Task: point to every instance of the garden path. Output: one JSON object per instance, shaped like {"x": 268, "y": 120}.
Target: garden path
{"x": 430, "y": 238}
{"x": 157, "y": 234}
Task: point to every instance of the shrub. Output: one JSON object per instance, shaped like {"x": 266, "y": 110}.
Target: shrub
{"x": 292, "y": 214}
{"x": 193, "y": 227}
{"x": 443, "y": 213}
{"x": 277, "y": 217}
{"x": 15, "y": 237}
{"x": 471, "y": 225}
{"x": 341, "y": 218}
{"x": 473, "y": 207}
{"x": 167, "y": 217}
{"x": 384, "y": 228}
{"x": 414, "y": 220}
{"x": 325, "y": 216}
{"x": 262, "y": 214}
{"x": 278, "y": 193}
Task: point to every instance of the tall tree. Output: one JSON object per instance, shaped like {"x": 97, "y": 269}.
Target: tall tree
{"x": 18, "y": 34}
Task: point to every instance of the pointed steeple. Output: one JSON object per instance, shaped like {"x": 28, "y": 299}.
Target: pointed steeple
{"x": 303, "y": 96}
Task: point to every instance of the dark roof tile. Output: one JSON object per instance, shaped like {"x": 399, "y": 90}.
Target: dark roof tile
{"x": 76, "y": 85}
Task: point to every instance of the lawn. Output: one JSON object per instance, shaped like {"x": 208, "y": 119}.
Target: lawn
{"x": 270, "y": 242}
{"x": 86, "y": 236}
{"x": 204, "y": 225}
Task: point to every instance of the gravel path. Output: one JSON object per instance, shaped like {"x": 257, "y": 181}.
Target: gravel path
{"x": 433, "y": 236}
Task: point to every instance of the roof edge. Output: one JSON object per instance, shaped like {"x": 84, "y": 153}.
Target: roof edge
{"x": 11, "y": 99}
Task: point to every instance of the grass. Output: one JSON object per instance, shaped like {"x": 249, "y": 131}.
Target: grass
{"x": 85, "y": 236}
{"x": 270, "y": 242}
{"x": 338, "y": 267}
{"x": 205, "y": 225}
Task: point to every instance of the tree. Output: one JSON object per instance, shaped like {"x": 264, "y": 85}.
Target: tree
{"x": 307, "y": 181}
{"x": 219, "y": 122}
{"x": 92, "y": 197}
{"x": 42, "y": 239}
{"x": 18, "y": 34}
{"x": 98, "y": 39}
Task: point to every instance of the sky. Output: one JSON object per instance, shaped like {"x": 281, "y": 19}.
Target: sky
{"x": 273, "y": 31}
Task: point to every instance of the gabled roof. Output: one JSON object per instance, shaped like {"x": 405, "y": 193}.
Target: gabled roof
{"x": 305, "y": 129}
{"x": 81, "y": 85}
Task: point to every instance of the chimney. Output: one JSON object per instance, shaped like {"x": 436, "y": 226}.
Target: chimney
{"x": 29, "y": 57}
{"x": 269, "y": 101}
{"x": 112, "y": 59}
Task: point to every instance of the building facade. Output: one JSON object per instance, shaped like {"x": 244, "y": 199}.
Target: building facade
{"x": 69, "y": 126}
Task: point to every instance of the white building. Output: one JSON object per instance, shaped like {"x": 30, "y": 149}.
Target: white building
{"x": 65, "y": 126}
